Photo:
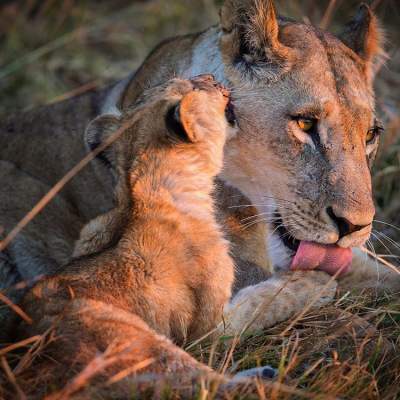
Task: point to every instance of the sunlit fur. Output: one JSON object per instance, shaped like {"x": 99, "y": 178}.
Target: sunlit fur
{"x": 167, "y": 273}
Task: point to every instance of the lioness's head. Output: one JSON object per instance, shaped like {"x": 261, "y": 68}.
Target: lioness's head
{"x": 307, "y": 131}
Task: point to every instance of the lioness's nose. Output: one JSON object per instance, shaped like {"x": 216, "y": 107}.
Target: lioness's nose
{"x": 344, "y": 226}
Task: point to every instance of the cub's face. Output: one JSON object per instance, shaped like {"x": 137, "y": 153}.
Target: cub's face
{"x": 307, "y": 132}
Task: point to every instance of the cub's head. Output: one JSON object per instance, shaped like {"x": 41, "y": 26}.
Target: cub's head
{"x": 307, "y": 130}
{"x": 175, "y": 120}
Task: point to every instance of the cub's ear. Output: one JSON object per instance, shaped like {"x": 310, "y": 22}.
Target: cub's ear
{"x": 184, "y": 122}
{"x": 202, "y": 115}
{"x": 97, "y": 132}
{"x": 175, "y": 129}
{"x": 364, "y": 36}
{"x": 250, "y": 32}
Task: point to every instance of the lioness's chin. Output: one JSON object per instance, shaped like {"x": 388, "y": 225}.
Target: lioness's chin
{"x": 280, "y": 255}
{"x": 282, "y": 246}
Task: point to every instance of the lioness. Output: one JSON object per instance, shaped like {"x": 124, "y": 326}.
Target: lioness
{"x": 306, "y": 136}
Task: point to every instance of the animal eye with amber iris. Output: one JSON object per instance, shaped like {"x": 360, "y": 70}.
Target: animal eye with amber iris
{"x": 374, "y": 133}
{"x": 306, "y": 124}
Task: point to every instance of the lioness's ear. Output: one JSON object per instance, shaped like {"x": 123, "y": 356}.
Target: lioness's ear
{"x": 250, "y": 30}
{"x": 97, "y": 132}
{"x": 364, "y": 36}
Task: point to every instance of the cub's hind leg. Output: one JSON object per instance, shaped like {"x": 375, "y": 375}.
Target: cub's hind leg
{"x": 115, "y": 350}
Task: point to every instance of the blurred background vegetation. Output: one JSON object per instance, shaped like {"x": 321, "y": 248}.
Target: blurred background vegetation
{"x": 54, "y": 49}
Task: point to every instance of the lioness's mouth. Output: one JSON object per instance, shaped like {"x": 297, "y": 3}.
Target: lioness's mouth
{"x": 307, "y": 255}
{"x": 287, "y": 239}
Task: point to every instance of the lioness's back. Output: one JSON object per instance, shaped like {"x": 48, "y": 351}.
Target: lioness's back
{"x": 47, "y": 142}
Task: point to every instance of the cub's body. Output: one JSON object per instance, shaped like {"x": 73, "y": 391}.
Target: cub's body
{"x": 167, "y": 273}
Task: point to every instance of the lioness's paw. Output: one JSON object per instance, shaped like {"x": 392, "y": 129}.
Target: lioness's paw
{"x": 278, "y": 299}
{"x": 314, "y": 287}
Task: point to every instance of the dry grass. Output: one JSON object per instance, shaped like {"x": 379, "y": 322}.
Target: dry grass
{"x": 50, "y": 50}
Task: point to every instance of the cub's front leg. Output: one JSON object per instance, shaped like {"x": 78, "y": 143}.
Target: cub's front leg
{"x": 277, "y": 299}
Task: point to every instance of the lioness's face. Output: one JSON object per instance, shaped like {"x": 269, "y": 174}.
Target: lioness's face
{"x": 306, "y": 135}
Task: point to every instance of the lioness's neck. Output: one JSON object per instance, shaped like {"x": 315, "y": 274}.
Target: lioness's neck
{"x": 206, "y": 56}
{"x": 185, "y": 57}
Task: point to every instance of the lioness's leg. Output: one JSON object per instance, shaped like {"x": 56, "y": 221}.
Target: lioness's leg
{"x": 368, "y": 273}
{"x": 277, "y": 299}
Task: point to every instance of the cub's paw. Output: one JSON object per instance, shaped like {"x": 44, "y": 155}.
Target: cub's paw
{"x": 99, "y": 234}
{"x": 277, "y": 299}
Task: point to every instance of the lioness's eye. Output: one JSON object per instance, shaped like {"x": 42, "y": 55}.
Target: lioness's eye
{"x": 373, "y": 133}
{"x": 306, "y": 124}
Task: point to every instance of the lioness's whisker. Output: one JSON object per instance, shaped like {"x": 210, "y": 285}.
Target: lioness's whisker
{"x": 279, "y": 199}
{"x": 387, "y": 223}
{"x": 249, "y": 224}
{"x": 382, "y": 260}
{"x": 381, "y": 242}
{"x": 386, "y": 237}
{"x": 276, "y": 228}
{"x": 253, "y": 205}
{"x": 259, "y": 215}
{"x": 272, "y": 206}
{"x": 375, "y": 256}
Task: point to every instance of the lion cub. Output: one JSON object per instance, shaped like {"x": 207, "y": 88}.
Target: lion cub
{"x": 166, "y": 268}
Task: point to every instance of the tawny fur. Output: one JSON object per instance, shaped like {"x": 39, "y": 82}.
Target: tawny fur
{"x": 169, "y": 274}
{"x": 308, "y": 68}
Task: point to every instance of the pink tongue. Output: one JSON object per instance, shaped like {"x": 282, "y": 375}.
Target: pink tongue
{"x": 324, "y": 257}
